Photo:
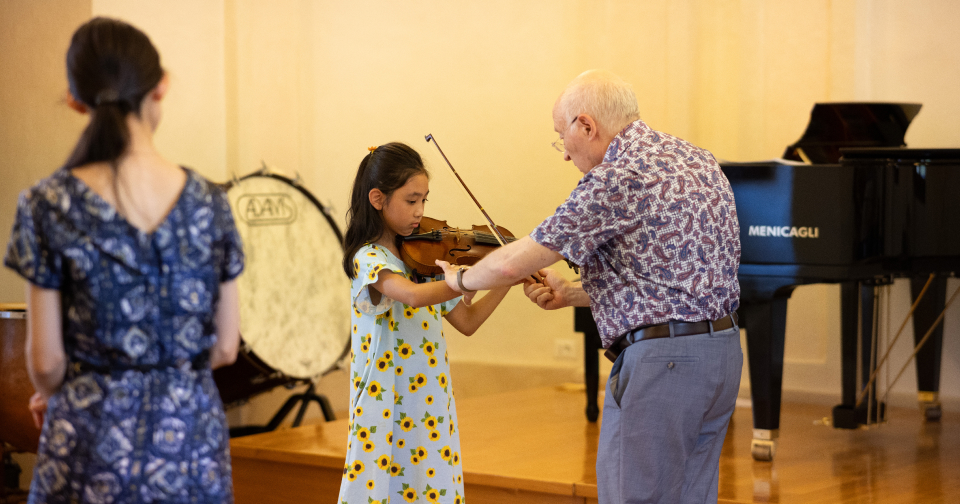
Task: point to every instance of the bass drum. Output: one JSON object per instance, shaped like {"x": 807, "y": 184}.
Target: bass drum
{"x": 16, "y": 423}
{"x": 294, "y": 296}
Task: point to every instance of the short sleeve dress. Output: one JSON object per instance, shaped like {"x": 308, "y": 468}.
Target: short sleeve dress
{"x": 404, "y": 444}
{"x": 138, "y": 417}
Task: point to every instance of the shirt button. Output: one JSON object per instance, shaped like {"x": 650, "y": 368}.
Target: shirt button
{"x": 669, "y": 365}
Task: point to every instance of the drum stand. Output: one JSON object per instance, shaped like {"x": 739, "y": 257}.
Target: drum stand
{"x": 304, "y": 398}
{"x": 10, "y": 491}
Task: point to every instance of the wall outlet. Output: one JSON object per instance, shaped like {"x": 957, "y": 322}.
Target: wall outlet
{"x": 564, "y": 349}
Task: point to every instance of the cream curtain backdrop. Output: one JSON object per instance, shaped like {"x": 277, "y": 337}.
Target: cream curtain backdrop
{"x": 307, "y": 86}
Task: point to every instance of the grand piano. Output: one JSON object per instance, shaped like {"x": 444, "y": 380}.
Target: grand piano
{"x": 847, "y": 204}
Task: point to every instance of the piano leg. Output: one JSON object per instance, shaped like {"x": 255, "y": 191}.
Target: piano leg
{"x": 847, "y": 415}
{"x": 766, "y": 323}
{"x": 591, "y": 367}
{"x": 583, "y": 322}
{"x": 929, "y": 356}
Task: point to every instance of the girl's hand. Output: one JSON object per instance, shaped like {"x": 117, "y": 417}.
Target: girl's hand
{"x": 449, "y": 275}
{"x": 38, "y": 408}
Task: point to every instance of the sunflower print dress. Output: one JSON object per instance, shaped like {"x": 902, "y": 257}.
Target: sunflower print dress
{"x": 404, "y": 444}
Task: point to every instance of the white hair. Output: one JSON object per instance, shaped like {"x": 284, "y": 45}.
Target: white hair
{"x": 602, "y": 95}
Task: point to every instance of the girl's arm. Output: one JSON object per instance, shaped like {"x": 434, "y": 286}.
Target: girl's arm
{"x": 399, "y": 288}
{"x": 468, "y": 318}
{"x": 224, "y": 351}
{"x": 46, "y": 358}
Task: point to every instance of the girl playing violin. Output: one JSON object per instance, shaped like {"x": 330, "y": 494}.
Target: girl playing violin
{"x": 403, "y": 435}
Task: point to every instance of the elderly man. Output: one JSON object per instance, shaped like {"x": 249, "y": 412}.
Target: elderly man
{"x": 653, "y": 226}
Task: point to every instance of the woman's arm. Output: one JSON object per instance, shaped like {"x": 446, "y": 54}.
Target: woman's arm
{"x": 399, "y": 288}
{"x": 468, "y": 318}
{"x": 46, "y": 358}
{"x": 224, "y": 351}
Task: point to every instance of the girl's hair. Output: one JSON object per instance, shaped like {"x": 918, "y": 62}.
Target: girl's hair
{"x": 387, "y": 168}
{"x": 111, "y": 66}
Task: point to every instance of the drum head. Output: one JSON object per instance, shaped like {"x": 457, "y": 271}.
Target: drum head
{"x": 294, "y": 296}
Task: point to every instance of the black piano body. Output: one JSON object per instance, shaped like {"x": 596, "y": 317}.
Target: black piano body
{"x": 877, "y": 215}
{"x": 859, "y": 216}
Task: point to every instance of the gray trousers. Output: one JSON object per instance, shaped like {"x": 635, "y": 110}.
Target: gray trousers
{"x": 668, "y": 403}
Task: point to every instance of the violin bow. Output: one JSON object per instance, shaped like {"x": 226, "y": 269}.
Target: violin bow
{"x": 496, "y": 231}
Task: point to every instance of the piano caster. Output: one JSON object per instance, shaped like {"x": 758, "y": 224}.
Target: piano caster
{"x": 850, "y": 417}
{"x": 930, "y": 406}
{"x": 763, "y": 446}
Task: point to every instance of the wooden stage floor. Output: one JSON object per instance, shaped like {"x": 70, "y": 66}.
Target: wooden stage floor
{"x": 536, "y": 446}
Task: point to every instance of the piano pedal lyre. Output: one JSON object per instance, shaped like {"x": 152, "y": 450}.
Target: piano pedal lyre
{"x": 763, "y": 446}
{"x": 930, "y": 405}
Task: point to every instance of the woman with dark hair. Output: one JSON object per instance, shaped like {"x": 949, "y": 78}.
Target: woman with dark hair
{"x": 131, "y": 262}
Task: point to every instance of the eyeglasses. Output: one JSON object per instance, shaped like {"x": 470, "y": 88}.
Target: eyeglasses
{"x": 558, "y": 144}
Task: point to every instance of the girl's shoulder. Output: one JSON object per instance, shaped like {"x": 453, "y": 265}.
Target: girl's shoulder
{"x": 371, "y": 258}
{"x": 373, "y": 252}
{"x": 373, "y": 248}
{"x": 369, "y": 262}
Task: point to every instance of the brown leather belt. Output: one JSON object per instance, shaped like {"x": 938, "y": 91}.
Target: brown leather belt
{"x": 663, "y": 331}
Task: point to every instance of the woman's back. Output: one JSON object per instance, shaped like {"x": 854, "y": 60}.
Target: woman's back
{"x": 147, "y": 189}
{"x": 131, "y": 261}
{"x": 139, "y": 324}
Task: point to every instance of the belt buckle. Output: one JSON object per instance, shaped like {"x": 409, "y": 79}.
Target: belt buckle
{"x": 614, "y": 350}
{"x": 611, "y": 355}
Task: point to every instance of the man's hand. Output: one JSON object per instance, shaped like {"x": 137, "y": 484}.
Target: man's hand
{"x": 549, "y": 293}
{"x": 38, "y": 408}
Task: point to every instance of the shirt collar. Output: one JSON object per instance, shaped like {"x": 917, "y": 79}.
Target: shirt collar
{"x": 626, "y": 139}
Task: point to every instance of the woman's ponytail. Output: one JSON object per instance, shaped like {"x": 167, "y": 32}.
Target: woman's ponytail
{"x": 111, "y": 66}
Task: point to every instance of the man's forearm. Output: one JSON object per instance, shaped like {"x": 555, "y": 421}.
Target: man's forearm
{"x": 510, "y": 264}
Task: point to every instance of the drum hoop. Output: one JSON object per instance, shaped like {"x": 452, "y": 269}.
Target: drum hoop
{"x": 336, "y": 229}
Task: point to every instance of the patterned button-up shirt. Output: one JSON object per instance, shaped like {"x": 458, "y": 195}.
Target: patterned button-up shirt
{"x": 655, "y": 232}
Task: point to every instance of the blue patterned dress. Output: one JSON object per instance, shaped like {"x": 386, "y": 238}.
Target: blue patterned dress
{"x": 404, "y": 443}
{"x": 138, "y": 417}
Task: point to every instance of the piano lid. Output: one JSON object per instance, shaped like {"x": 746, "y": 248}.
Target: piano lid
{"x": 856, "y": 124}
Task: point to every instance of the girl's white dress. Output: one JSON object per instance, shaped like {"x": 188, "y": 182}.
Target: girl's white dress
{"x": 404, "y": 444}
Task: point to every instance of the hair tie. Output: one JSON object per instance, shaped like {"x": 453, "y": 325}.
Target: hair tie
{"x": 371, "y": 149}
{"x": 106, "y": 96}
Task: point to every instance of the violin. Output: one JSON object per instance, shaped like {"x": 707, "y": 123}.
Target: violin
{"x": 435, "y": 239}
